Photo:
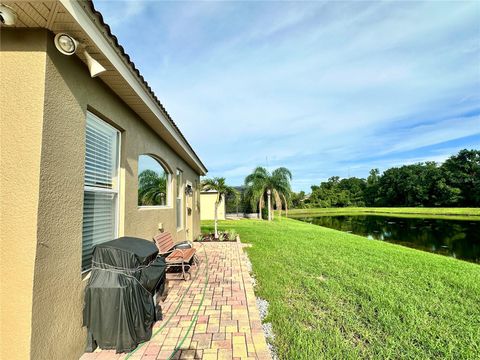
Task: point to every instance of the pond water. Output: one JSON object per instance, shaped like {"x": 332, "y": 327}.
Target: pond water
{"x": 456, "y": 238}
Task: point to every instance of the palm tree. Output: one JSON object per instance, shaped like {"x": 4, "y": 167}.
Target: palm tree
{"x": 152, "y": 188}
{"x": 261, "y": 183}
{"x": 218, "y": 184}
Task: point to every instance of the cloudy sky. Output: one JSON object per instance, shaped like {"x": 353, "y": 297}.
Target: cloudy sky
{"x": 322, "y": 88}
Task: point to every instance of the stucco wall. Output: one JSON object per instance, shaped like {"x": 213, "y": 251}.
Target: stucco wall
{"x": 58, "y": 286}
{"x": 22, "y": 74}
{"x": 207, "y": 206}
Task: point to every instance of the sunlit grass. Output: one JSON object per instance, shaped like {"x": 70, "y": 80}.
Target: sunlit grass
{"x": 334, "y": 295}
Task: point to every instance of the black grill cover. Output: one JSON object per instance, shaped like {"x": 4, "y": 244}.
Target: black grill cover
{"x": 119, "y": 310}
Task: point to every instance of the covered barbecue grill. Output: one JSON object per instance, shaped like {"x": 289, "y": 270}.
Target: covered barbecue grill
{"x": 119, "y": 309}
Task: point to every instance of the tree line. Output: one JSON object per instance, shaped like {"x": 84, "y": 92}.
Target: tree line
{"x": 455, "y": 183}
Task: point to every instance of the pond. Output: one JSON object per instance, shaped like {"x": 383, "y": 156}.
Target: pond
{"x": 456, "y": 238}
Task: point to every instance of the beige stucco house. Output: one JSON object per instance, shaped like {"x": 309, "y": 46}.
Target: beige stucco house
{"x": 70, "y": 150}
{"x": 207, "y": 204}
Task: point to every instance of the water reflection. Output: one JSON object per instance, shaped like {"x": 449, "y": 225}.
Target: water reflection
{"x": 459, "y": 239}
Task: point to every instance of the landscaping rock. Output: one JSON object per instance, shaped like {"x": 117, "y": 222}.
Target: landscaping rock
{"x": 267, "y": 328}
{"x": 270, "y": 336}
{"x": 249, "y": 264}
{"x": 262, "y": 306}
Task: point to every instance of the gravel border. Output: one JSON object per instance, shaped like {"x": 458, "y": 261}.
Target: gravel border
{"x": 262, "y": 306}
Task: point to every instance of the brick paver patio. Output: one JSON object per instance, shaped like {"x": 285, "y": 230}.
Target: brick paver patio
{"x": 225, "y": 325}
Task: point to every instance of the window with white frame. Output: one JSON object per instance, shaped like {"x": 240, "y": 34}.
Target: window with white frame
{"x": 101, "y": 185}
{"x": 179, "y": 199}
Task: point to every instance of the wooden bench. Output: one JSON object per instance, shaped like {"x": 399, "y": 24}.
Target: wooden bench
{"x": 174, "y": 257}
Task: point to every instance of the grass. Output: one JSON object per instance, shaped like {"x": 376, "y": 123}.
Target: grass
{"x": 443, "y": 213}
{"x": 334, "y": 295}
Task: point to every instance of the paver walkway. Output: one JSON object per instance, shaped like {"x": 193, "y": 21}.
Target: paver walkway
{"x": 225, "y": 325}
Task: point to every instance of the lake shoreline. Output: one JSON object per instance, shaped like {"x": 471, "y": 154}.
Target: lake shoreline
{"x": 431, "y": 213}
{"x": 456, "y": 236}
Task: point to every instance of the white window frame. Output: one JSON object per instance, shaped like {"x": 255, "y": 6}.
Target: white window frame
{"x": 115, "y": 190}
{"x": 179, "y": 195}
{"x": 169, "y": 204}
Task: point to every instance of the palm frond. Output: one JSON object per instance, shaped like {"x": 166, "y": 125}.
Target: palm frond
{"x": 152, "y": 188}
{"x": 219, "y": 184}
{"x": 260, "y": 180}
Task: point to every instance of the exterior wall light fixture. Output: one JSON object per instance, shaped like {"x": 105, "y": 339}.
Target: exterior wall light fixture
{"x": 67, "y": 45}
{"x": 8, "y": 17}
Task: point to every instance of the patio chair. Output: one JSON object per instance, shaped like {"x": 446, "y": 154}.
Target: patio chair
{"x": 173, "y": 256}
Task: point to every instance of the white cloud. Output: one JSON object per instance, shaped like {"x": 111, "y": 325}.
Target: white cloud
{"x": 124, "y": 12}
{"x": 313, "y": 86}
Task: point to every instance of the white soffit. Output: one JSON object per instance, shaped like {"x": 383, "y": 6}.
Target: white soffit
{"x": 96, "y": 33}
{"x": 79, "y": 19}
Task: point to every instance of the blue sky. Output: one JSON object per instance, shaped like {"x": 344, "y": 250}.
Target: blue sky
{"x": 322, "y": 88}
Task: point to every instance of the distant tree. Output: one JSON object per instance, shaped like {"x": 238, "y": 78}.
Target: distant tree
{"x": 427, "y": 184}
{"x": 438, "y": 192}
{"x": 298, "y": 200}
{"x": 371, "y": 189}
{"x": 462, "y": 171}
{"x": 223, "y": 190}
{"x": 402, "y": 186}
{"x": 373, "y": 177}
{"x": 152, "y": 188}
{"x": 261, "y": 183}
{"x": 455, "y": 183}
{"x": 338, "y": 193}
{"x": 355, "y": 188}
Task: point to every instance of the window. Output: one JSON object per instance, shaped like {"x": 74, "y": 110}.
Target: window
{"x": 179, "y": 200}
{"x": 153, "y": 182}
{"x": 100, "y": 197}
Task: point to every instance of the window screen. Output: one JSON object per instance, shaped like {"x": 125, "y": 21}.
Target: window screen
{"x": 100, "y": 199}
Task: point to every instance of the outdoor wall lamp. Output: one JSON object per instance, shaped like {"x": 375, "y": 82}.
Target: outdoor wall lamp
{"x": 188, "y": 190}
{"x": 8, "y": 17}
{"x": 93, "y": 65}
{"x": 67, "y": 45}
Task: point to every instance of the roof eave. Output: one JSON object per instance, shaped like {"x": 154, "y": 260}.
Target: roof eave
{"x": 92, "y": 23}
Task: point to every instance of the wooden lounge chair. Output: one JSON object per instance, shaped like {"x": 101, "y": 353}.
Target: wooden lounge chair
{"x": 174, "y": 257}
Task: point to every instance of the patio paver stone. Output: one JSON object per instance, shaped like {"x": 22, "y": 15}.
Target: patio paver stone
{"x": 225, "y": 325}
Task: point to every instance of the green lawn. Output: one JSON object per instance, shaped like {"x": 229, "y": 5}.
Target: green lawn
{"x": 444, "y": 213}
{"x": 335, "y": 295}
